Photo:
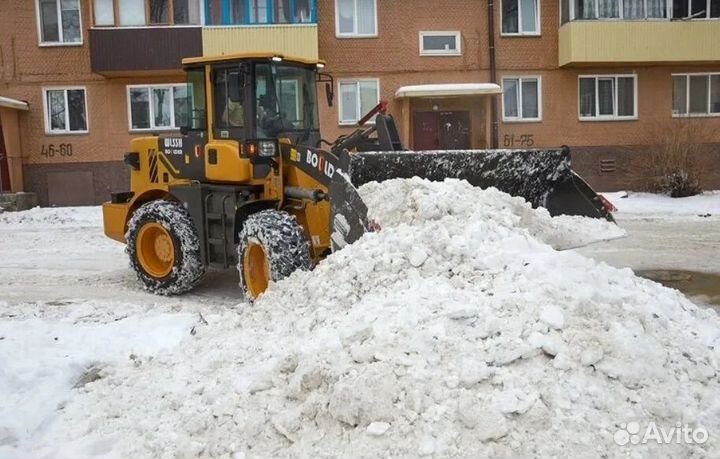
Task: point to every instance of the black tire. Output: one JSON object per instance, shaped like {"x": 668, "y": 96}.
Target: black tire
{"x": 283, "y": 242}
{"x": 187, "y": 267}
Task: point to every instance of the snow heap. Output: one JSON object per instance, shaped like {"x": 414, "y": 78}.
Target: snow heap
{"x": 49, "y": 217}
{"x": 456, "y": 331}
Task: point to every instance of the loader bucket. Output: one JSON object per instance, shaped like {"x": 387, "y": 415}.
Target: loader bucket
{"x": 543, "y": 177}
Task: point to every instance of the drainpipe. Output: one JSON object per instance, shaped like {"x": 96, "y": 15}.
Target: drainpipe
{"x": 493, "y": 72}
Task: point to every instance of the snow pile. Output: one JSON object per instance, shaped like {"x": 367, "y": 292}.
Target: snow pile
{"x": 49, "y": 217}
{"x": 454, "y": 332}
{"x": 417, "y": 201}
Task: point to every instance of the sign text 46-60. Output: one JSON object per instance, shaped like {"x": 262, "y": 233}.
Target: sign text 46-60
{"x": 54, "y": 150}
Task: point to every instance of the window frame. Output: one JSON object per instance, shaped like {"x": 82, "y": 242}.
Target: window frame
{"x": 669, "y": 9}
{"x": 615, "y": 76}
{"x": 354, "y": 34}
{"x": 441, "y": 33}
{"x": 520, "y": 78}
{"x": 520, "y": 33}
{"x": 687, "y": 113}
{"x": 149, "y": 87}
{"x": 357, "y": 82}
{"x": 147, "y": 25}
{"x": 50, "y": 44}
{"x": 46, "y": 111}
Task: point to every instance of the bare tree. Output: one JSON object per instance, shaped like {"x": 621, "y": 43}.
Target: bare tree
{"x": 674, "y": 151}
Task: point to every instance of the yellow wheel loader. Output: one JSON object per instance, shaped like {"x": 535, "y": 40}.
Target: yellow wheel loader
{"x": 245, "y": 183}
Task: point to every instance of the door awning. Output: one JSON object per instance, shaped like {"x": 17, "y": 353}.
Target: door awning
{"x": 448, "y": 90}
{"x": 13, "y": 103}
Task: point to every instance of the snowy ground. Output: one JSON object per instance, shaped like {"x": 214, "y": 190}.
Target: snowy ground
{"x": 664, "y": 233}
{"x": 458, "y": 331}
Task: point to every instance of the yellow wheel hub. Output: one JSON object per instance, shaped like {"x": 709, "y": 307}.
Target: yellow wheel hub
{"x": 155, "y": 250}
{"x": 256, "y": 269}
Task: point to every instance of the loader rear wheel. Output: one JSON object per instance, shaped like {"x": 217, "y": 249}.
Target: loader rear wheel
{"x": 164, "y": 249}
{"x": 272, "y": 245}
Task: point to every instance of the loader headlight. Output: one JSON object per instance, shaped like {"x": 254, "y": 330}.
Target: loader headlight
{"x": 267, "y": 148}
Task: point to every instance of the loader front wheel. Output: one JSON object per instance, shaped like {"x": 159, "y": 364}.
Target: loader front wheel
{"x": 272, "y": 245}
{"x": 164, "y": 249}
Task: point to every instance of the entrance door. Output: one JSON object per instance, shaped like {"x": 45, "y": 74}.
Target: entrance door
{"x": 455, "y": 130}
{"x": 4, "y": 167}
{"x": 425, "y": 131}
{"x": 441, "y": 130}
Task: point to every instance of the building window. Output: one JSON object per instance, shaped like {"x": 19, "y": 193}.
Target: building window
{"x": 638, "y": 9}
{"x": 157, "y": 107}
{"x": 440, "y": 44}
{"x": 522, "y": 99}
{"x": 145, "y": 12}
{"x": 238, "y": 12}
{"x": 696, "y": 95}
{"x": 520, "y": 17}
{"x": 59, "y": 22}
{"x": 356, "y": 18}
{"x": 357, "y": 98}
{"x": 65, "y": 110}
{"x": 607, "y": 97}
{"x": 695, "y": 9}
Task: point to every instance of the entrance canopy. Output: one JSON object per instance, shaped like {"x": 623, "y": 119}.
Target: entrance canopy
{"x": 7, "y": 102}
{"x": 448, "y": 90}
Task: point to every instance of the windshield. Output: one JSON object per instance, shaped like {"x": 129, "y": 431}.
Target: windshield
{"x": 286, "y": 100}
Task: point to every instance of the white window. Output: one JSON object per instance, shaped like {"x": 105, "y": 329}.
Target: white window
{"x": 521, "y": 17}
{"x": 357, "y": 98}
{"x": 440, "y": 44}
{"x": 522, "y": 99}
{"x": 145, "y": 12}
{"x": 696, "y": 94}
{"x": 356, "y": 18}
{"x": 157, "y": 107}
{"x": 638, "y": 9}
{"x": 65, "y": 110}
{"x": 607, "y": 97}
{"x": 59, "y": 22}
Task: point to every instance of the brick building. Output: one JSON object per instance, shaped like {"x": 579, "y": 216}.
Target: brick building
{"x": 79, "y": 78}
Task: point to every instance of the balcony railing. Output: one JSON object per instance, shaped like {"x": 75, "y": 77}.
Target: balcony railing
{"x": 260, "y": 12}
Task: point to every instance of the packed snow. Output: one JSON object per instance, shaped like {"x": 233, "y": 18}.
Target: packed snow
{"x": 663, "y": 233}
{"x": 643, "y": 205}
{"x": 459, "y": 330}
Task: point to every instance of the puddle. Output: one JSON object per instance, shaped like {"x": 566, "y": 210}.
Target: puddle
{"x": 699, "y": 287}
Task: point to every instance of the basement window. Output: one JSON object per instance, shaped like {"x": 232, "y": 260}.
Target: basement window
{"x": 520, "y": 17}
{"x": 157, "y": 107}
{"x": 607, "y": 97}
{"x": 65, "y": 110}
{"x": 357, "y": 98}
{"x": 59, "y": 22}
{"x": 696, "y": 94}
{"x": 522, "y": 99}
{"x": 440, "y": 44}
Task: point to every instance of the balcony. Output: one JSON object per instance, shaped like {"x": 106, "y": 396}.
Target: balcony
{"x": 287, "y": 27}
{"x": 156, "y": 50}
{"x": 644, "y": 41}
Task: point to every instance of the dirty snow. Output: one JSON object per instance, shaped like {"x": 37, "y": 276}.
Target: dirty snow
{"x": 456, "y": 331}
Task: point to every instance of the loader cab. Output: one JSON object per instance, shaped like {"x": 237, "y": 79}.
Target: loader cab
{"x": 254, "y": 100}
